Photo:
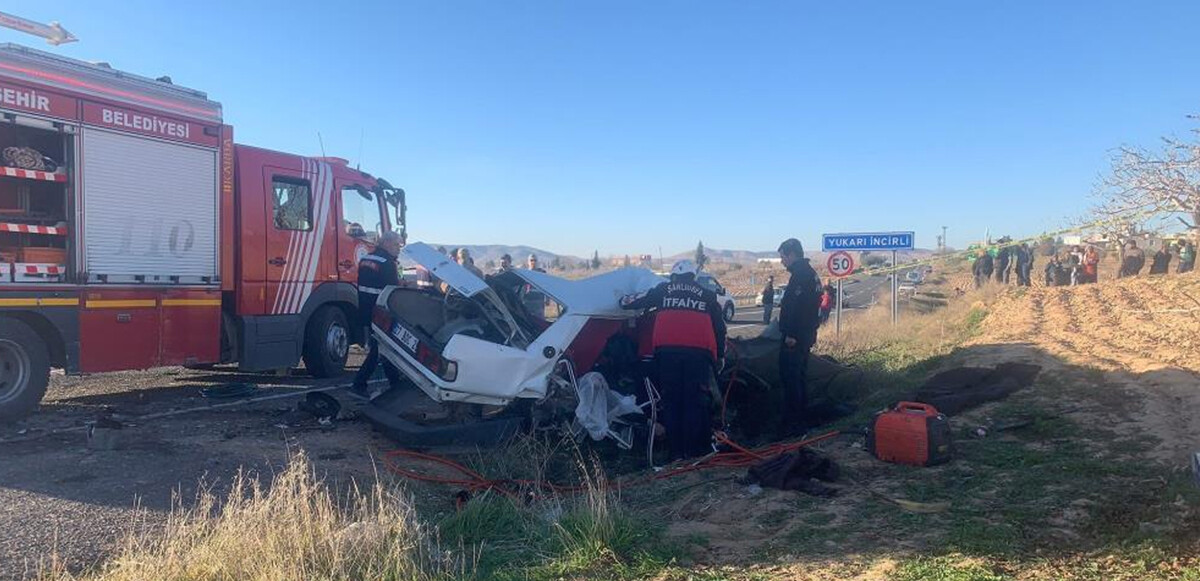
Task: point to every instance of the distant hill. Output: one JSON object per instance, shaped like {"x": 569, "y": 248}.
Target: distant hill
{"x": 482, "y": 253}
{"x": 719, "y": 255}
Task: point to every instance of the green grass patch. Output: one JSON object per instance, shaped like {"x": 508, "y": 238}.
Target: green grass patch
{"x": 974, "y": 322}
{"x": 944, "y": 569}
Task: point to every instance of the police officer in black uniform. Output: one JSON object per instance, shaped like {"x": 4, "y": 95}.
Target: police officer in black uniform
{"x": 799, "y": 318}
{"x": 688, "y": 340}
{"x": 376, "y": 271}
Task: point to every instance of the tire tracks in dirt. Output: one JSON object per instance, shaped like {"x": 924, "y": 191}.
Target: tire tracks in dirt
{"x": 1069, "y": 333}
{"x": 1141, "y": 332}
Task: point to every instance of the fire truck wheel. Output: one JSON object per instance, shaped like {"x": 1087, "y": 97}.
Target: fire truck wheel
{"x": 24, "y": 369}
{"x": 729, "y": 313}
{"x": 327, "y": 343}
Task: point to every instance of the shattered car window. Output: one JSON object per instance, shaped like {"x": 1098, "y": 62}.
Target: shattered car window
{"x": 514, "y": 293}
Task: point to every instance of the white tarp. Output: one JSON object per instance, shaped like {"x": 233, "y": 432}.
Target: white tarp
{"x": 599, "y": 406}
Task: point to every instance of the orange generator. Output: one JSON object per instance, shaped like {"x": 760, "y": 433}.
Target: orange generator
{"x": 911, "y": 433}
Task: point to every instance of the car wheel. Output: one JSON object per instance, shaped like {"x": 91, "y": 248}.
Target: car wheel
{"x": 729, "y": 312}
{"x": 326, "y": 343}
{"x": 24, "y": 369}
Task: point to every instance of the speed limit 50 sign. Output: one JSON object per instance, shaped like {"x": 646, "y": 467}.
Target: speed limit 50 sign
{"x": 840, "y": 264}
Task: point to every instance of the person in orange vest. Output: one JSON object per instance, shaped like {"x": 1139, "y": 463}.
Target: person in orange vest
{"x": 688, "y": 340}
{"x": 1091, "y": 264}
{"x": 827, "y": 301}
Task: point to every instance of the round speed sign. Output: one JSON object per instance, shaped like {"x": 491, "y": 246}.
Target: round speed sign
{"x": 840, "y": 264}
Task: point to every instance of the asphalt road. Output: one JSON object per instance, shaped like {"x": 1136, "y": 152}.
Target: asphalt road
{"x": 856, "y": 295}
{"x": 59, "y": 494}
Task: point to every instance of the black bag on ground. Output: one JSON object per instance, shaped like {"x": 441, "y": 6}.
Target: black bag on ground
{"x": 799, "y": 470}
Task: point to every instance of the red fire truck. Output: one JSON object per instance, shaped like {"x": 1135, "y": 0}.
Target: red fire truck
{"x": 134, "y": 233}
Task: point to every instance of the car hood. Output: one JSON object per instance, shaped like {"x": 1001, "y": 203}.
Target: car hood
{"x": 598, "y": 296}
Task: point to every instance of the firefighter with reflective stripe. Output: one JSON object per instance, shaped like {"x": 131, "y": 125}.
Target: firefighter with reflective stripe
{"x": 688, "y": 340}
{"x": 376, "y": 271}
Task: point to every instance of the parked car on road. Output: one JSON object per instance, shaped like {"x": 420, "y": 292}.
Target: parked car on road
{"x": 709, "y": 282}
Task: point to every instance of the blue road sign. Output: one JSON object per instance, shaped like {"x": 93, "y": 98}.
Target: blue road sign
{"x": 867, "y": 241}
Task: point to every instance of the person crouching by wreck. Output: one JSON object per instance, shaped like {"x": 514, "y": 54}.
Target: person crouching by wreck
{"x": 688, "y": 340}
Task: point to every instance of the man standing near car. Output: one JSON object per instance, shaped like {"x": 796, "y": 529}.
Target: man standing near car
{"x": 534, "y": 299}
{"x": 688, "y": 340}
{"x": 505, "y": 264}
{"x": 768, "y": 299}
{"x": 376, "y": 271}
{"x": 798, "y": 322}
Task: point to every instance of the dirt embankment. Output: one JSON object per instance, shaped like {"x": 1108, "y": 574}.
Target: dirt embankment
{"x": 1137, "y": 325}
{"x": 1142, "y": 333}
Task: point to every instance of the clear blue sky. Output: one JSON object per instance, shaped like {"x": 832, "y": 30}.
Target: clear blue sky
{"x": 624, "y": 126}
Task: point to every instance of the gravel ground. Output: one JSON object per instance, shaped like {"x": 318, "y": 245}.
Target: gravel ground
{"x": 59, "y": 497}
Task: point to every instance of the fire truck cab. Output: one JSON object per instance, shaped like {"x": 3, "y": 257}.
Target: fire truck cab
{"x": 134, "y": 233}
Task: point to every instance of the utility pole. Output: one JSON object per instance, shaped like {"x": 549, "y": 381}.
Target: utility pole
{"x": 53, "y": 33}
{"x": 943, "y": 248}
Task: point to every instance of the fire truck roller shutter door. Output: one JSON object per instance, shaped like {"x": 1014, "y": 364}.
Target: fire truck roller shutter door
{"x": 149, "y": 209}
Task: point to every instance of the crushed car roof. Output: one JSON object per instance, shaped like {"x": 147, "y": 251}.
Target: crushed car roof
{"x": 597, "y": 296}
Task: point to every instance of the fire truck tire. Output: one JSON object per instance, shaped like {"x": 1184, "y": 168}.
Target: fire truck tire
{"x": 24, "y": 369}
{"x": 729, "y": 312}
{"x": 326, "y": 342}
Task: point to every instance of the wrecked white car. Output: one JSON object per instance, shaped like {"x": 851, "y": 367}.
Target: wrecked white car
{"x": 484, "y": 342}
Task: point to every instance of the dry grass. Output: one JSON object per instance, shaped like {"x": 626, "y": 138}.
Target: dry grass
{"x": 921, "y": 335}
{"x": 298, "y": 529}
{"x": 295, "y": 529}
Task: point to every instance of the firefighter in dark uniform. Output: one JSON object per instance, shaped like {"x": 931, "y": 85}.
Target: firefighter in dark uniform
{"x": 799, "y": 318}
{"x": 376, "y": 271}
{"x": 688, "y": 341}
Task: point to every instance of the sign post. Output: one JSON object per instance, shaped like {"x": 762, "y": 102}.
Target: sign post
{"x": 895, "y": 290}
{"x": 867, "y": 242}
{"x": 840, "y": 265}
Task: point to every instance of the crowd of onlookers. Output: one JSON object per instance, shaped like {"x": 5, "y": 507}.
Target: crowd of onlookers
{"x": 1078, "y": 265}
{"x": 1006, "y": 261}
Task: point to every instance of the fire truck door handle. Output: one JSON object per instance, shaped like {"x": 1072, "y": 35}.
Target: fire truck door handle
{"x": 346, "y": 264}
{"x": 277, "y": 261}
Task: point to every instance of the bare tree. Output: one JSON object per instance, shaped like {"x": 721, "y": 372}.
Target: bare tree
{"x": 1143, "y": 182}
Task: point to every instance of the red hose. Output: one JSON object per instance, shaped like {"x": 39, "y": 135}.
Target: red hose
{"x": 739, "y": 457}
{"x": 474, "y": 482}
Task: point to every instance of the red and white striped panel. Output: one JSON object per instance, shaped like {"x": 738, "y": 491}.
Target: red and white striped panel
{"x": 39, "y": 269}
{"x": 59, "y": 230}
{"x": 32, "y": 174}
